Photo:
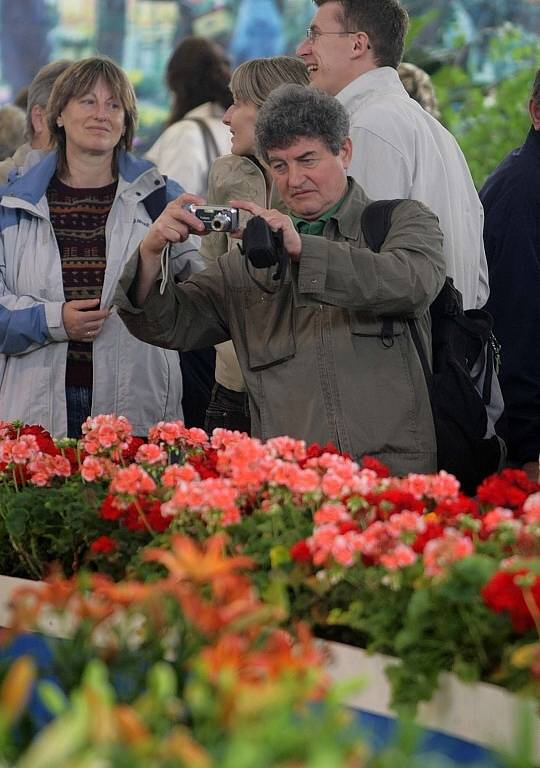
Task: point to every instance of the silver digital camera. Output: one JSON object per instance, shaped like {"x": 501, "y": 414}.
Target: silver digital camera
{"x": 216, "y": 218}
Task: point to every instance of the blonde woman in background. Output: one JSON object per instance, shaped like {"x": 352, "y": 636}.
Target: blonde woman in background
{"x": 241, "y": 176}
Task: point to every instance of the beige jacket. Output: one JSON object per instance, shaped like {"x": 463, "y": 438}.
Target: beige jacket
{"x": 311, "y": 351}
{"x": 233, "y": 178}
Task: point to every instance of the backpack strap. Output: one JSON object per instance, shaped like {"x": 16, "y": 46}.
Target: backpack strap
{"x": 375, "y": 222}
{"x": 156, "y": 201}
{"x": 211, "y": 148}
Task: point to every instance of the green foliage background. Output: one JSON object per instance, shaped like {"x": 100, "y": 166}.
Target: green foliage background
{"x": 488, "y": 118}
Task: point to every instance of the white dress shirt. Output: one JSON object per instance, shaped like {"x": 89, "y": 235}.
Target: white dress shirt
{"x": 400, "y": 151}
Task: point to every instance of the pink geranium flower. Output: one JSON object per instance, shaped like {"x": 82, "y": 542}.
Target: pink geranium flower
{"x": 293, "y": 477}
{"x": 152, "y": 454}
{"x": 94, "y": 468}
{"x": 399, "y": 557}
{"x": 441, "y": 552}
{"x": 132, "y": 481}
{"x": 331, "y": 513}
{"x": 286, "y": 448}
{"x": 531, "y": 509}
{"x": 19, "y": 451}
{"x": 203, "y": 496}
{"x": 106, "y": 435}
{"x": 497, "y": 517}
{"x": 176, "y": 473}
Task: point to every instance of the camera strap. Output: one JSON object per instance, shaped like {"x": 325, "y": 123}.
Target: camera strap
{"x": 164, "y": 268}
{"x": 278, "y": 275}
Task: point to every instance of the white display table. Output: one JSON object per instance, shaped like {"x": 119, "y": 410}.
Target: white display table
{"x": 479, "y": 713}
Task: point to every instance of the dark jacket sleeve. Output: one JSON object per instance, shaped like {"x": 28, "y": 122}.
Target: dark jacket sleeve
{"x": 512, "y": 240}
{"x": 189, "y": 315}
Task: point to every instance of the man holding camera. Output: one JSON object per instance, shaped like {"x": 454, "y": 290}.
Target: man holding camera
{"x": 321, "y": 334}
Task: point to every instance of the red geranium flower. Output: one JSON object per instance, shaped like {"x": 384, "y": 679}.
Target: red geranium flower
{"x": 103, "y": 545}
{"x": 109, "y": 510}
{"x": 44, "y": 439}
{"x": 300, "y": 552}
{"x": 510, "y": 488}
{"x": 380, "y": 469}
{"x": 205, "y": 463}
{"x": 448, "y": 510}
{"x": 432, "y": 531}
{"x": 133, "y": 446}
{"x": 501, "y": 593}
{"x": 393, "y": 500}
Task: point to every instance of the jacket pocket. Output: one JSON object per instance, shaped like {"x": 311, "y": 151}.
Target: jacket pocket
{"x": 269, "y": 327}
{"x": 385, "y": 328}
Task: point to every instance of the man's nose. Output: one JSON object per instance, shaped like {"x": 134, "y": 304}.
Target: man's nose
{"x": 303, "y": 48}
{"x": 296, "y": 175}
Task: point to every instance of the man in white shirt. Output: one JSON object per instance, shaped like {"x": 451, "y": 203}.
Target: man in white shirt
{"x": 352, "y": 51}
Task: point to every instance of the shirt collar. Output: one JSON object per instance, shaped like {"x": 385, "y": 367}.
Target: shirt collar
{"x": 316, "y": 226}
{"x": 345, "y": 213}
{"x": 380, "y": 80}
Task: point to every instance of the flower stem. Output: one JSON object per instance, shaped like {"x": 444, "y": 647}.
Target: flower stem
{"x": 532, "y": 606}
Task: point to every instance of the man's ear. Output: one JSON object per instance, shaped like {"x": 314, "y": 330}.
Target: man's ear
{"x": 534, "y": 111}
{"x": 361, "y": 45}
{"x": 39, "y": 121}
{"x": 346, "y": 153}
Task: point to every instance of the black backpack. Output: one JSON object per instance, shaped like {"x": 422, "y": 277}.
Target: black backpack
{"x": 463, "y": 387}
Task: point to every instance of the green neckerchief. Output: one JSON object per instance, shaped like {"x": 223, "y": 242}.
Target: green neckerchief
{"x": 315, "y": 227}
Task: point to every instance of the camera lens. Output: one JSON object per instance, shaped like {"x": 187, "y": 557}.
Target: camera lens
{"x": 221, "y": 222}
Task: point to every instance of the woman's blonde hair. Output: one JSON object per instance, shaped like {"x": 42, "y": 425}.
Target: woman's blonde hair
{"x": 76, "y": 81}
{"x": 254, "y": 80}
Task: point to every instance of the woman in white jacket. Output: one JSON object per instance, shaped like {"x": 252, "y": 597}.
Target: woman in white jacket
{"x": 198, "y": 76}
{"x": 67, "y": 227}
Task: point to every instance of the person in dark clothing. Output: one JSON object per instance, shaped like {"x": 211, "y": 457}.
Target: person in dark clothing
{"x": 511, "y": 199}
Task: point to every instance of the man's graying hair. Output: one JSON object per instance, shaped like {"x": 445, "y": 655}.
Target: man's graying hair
{"x": 40, "y": 89}
{"x": 292, "y": 112}
{"x": 384, "y": 21}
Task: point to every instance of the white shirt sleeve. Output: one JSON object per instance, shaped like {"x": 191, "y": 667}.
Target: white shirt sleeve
{"x": 180, "y": 154}
{"x": 380, "y": 168}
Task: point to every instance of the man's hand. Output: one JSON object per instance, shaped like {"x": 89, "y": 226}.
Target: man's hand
{"x": 277, "y": 222}
{"x": 81, "y": 321}
{"x": 174, "y": 225}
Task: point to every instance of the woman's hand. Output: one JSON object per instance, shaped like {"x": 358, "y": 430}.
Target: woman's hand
{"x": 81, "y": 321}
{"x": 277, "y": 222}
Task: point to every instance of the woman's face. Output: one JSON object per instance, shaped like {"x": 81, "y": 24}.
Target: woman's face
{"x": 94, "y": 121}
{"x": 240, "y": 117}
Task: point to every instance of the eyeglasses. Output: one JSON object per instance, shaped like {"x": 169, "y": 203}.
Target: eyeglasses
{"x": 314, "y": 34}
